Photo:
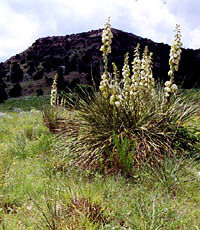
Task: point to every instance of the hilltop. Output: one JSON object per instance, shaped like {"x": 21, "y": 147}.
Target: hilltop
{"x": 31, "y": 72}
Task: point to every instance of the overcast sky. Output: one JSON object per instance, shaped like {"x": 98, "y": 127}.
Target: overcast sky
{"x": 24, "y": 21}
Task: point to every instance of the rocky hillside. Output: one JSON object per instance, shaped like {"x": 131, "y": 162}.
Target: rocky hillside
{"x": 31, "y": 71}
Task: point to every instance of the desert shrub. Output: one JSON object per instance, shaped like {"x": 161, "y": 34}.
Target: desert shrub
{"x": 171, "y": 173}
{"x": 133, "y": 121}
{"x": 63, "y": 209}
{"x": 148, "y": 133}
{"x": 53, "y": 119}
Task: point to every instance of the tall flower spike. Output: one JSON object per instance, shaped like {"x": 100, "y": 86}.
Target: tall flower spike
{"x": 106, "y": 49}
{"x": 116, "y": 98}
{"x": 151, "y": 81}
{"x": 144, "y": 70}
{"x": 126, "y": 77}
{"x": 115, "y": 72}
{"x": 106, "y": 38}
{"x": 54, "y": 91}
{"x": 175, "y": 53}
{"x": 106, "y": 43}
{"x": 105, "y": 85}
{"x": 136, "y": 68}
{"x": 175, "y": 56}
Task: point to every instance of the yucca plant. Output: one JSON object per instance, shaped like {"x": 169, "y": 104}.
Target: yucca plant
{"x": 171, "y": 174}
{"x": 62, "y": 209}
{"x": 133, "y": 109}
{"x": 154, "y": 130}
{"x": 54, "y": 119}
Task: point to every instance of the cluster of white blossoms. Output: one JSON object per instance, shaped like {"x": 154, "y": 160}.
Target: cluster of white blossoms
{"x": 146, "y": 75}
{"x": 175, "y": 56}
{"x": 54, "y": 91}
{"x": 141, "y": 81}
{"x": 136, "y": 68}
{"x": 105, "y": 85}
{"x": 115, "y": 98}
{"x": 106, "y": 38}
{"x": 170, "y": 88}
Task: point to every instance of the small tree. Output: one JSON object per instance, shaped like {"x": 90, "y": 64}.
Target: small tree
{"x": 16, "y": 91}
{"x": 3, "y": 94}
{"x": 16, "y": 73}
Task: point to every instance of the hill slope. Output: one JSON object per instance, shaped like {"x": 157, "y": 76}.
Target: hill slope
{"x": 80, "y": 55}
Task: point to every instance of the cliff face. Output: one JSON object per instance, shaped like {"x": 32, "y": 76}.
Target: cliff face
{"x": 34, "y": 68}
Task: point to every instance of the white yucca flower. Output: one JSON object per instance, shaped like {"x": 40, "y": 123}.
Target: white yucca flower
{"x": 175, "y": 56}
{"x": 136, "y": 68}
{"x": 106, "y": 49}
{"x": 146, "y": 79}
{"x": 175, "y": 52}
{"x": 54, "y": 91}
{"x": 126, "y": 77}
{"x": 105, "y": 85}
{"x": 116, "y": 97}
{"x": 106, "y": 38}
{"x": 174, "y": 88}
{"x": 168, "y": 83}
{"x": 150, "y": 79}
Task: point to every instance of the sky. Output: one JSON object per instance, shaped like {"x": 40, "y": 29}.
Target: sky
{"x": 24, "y": 21}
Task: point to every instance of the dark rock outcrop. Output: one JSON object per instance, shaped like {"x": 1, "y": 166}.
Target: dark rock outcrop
{"x": 80, "y": 55}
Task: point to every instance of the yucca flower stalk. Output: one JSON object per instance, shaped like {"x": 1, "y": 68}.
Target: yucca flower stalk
{"x": 116, "y": 98}
{"x": 151, "y": 81}
{"x": 126, "y": 78}
{"x": 54, "y": 91}
{"x": 136, "y": 68}
{"x": 175, "y": 56}
{"x": 106, "y": 40}
{"x": 106, "y": 49}
{"x": 146, "y": 79}
{"x": 105, "y": 85}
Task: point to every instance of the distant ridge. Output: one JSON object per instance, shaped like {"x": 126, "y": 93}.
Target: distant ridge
{"x": 34, "y": 68}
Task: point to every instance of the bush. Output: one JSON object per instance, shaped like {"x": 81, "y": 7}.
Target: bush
{"x": 115, "y": 139}
{"x": 131, "y": 122}
{"x": 16, "y": 91}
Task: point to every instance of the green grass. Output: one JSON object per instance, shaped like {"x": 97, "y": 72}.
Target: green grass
{"x": 24, "y": 103}
{"x": 38, "y": 191}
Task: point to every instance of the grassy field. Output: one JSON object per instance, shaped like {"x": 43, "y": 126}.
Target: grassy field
{"x": 38, "y": 190}
{"x": 25, "y": 103}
